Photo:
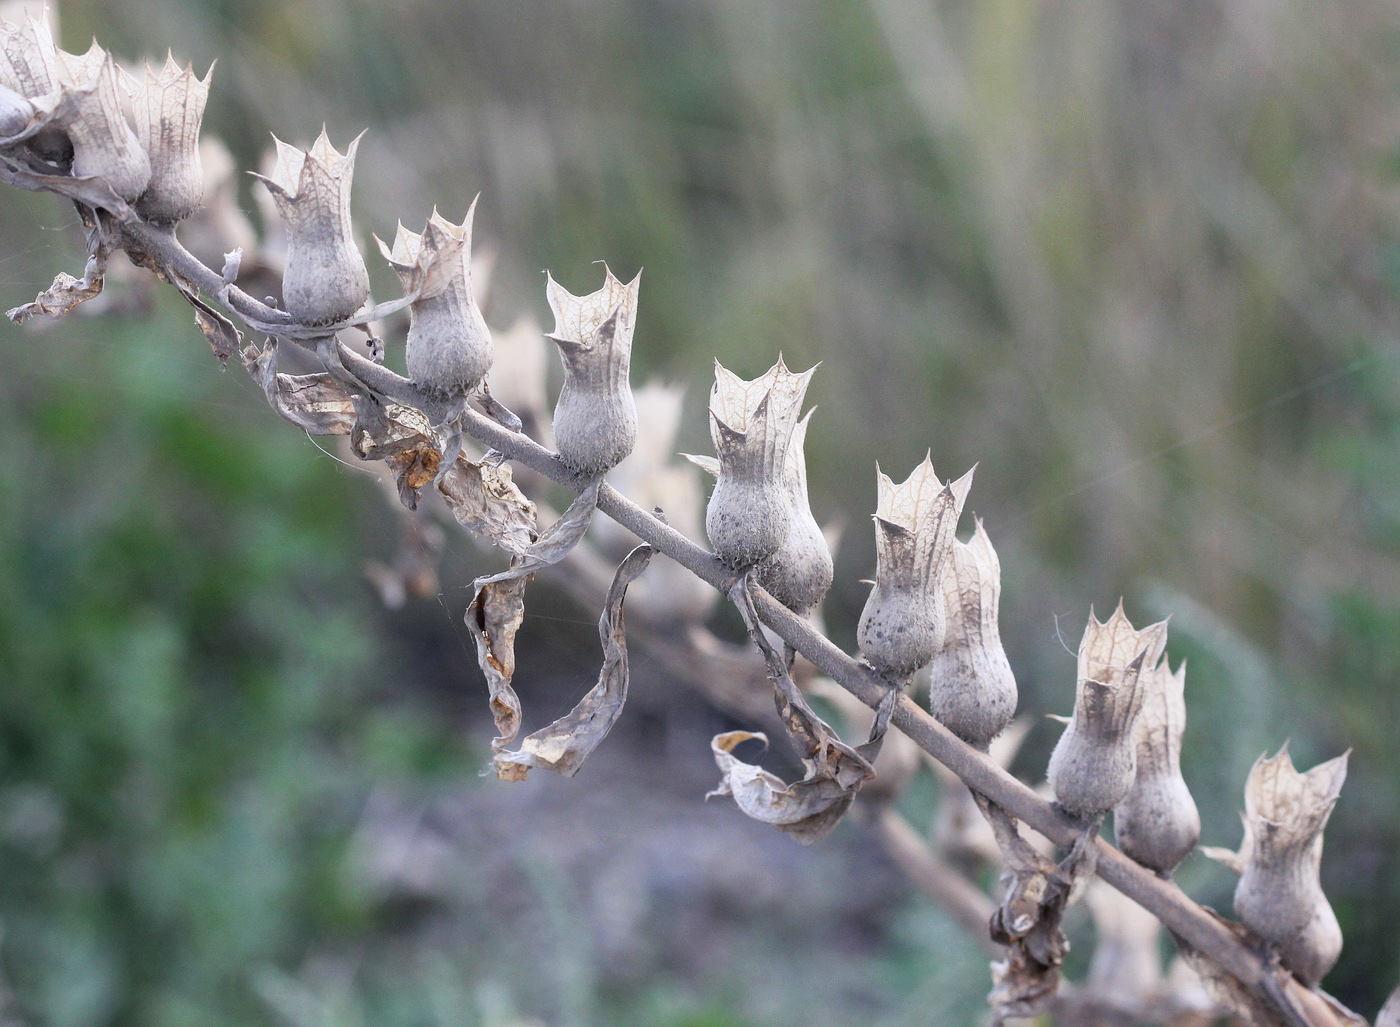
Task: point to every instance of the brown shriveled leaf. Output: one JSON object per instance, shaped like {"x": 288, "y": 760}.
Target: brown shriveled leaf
{"x": 810, "y": 808}
{"x": 1027, "y": 922}
{"x": 807, "y": 810}
{"x": 564, "y": 745}
{"x": 400, "y": 436}
{"x": 486, "y": 501}
{"x": 494, "y": 617}
{"x": 63, "y": 295}
{"x": 315, "y": 403}
{"x": 554, "y": 543}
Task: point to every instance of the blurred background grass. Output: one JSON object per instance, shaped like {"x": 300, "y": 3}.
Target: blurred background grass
{"x": 1137, "y": 261}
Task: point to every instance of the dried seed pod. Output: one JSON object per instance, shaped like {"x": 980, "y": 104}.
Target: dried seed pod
{"x": 29, "y": 66}
{"x": 799, "y": 573}
{"x": 903, "y": 624}
{"x": 29, "y": 61}
{"x": 972, "y": 691}
{"x": 751, "y": 425}
{"x": 16, "y": 113}
{"x": 104, "y": 145}
{"x": 595, "y": 419}
{"x": 169, "y": 107}
{"x": 324, "y": 279}
{"x": 1158, "y": 823}
{"x": 1095, "y": 760}
{"x": 449, "y": 346}
{"x": 1279, "y": 896}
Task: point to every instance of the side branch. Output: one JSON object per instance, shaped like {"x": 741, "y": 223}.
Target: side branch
{"x": 1177, "y": 911}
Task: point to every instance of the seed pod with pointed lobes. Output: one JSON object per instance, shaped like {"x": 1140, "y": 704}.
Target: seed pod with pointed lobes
{"x": 749, "y": 516}
{"x": 1279, "y": 896}
{"x": 1094, "y": 763}
{"x": 448, "y": 350}
{"x": 169, "y": 107}
{"x": 972, "y": 691}
{"x": 799, "y": 573}
{"x": 29, "y": 65}
{"x": 595, "y": 420}
{"x": 324, "y": 280}
{"x": 104, "y": 146}
{"x": 1157, "y": 824}
{"x": 903, "y": 625}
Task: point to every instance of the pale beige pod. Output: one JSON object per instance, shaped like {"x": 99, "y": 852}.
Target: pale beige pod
{"x": 1279, "y": 896}
{"x": 104, "y": 145}
{"x": 748, "y": 516}
{"x": 595, "y": 418}
{"x": 448, "y": 350}
{"x": 324, "y": 279}
{"x": 1157, "y": 824}
{"x": 169, "y": 108}
{"x": 972, "y": 691}
{"x": 903, "y": 624}
{"x": 799, "y": 572}
{"x": 29, "y": 66}
{"x": 1093, "y": 765}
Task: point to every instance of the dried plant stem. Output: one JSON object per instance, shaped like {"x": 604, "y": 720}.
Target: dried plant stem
{"x": 1178, "y": 912}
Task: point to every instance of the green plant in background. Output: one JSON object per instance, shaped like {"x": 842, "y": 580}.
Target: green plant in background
{"x": 1083, "y": 322}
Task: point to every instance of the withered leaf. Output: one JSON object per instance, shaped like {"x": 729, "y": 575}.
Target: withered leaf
{"x": 486, "y": 501}
{"x": 63, "y": 295}
{"x": 554, "y": 542}
{"x": 401, "y": 437}
{"x": 314, "y": 403}
{"x": 564, "y": 745}
{"x": 218, "y": 331}
{"x": 494, "y": 617}
{"x": 810, "y": 808}
{"x": 91, "y": 191}
{"x": 1035, "y": 893}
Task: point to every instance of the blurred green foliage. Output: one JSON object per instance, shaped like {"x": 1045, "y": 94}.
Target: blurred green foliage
{"x": 1135, "y": 260}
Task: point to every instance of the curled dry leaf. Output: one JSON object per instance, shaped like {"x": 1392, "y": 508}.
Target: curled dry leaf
{"x": 555, "y": 542}
{"x": 315, "y": 403}
{"x": 63, "y": 295}
{"x": 494, "y": 617}
{"x": 1036, "y": 892}
{"x": 810, "y": 808}
{"x": 564, "y": 745}
{"x": 486, "y": 501}
{"x": 401, "y": 437}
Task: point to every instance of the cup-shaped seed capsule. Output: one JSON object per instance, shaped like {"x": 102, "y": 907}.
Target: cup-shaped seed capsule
{"x": 104, "y": 145}
{"x": 169, "y": 107}
{"x": 972, "y": 691}
{"x": 1094, "y": 763}
{"x": 903, "y": 624}
{"x": 325, "y": 278}
{"x": 1157, "y": 824}
{"x": 799, "y": 572}
{"x": 751, "y": 424}
{"x": 29, "y": 66}
{"x": 29, "y": 62}
{"x": 595, "y": 419}
{"x": 448, "y": 350}
{"x": 1279, "y": 896}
